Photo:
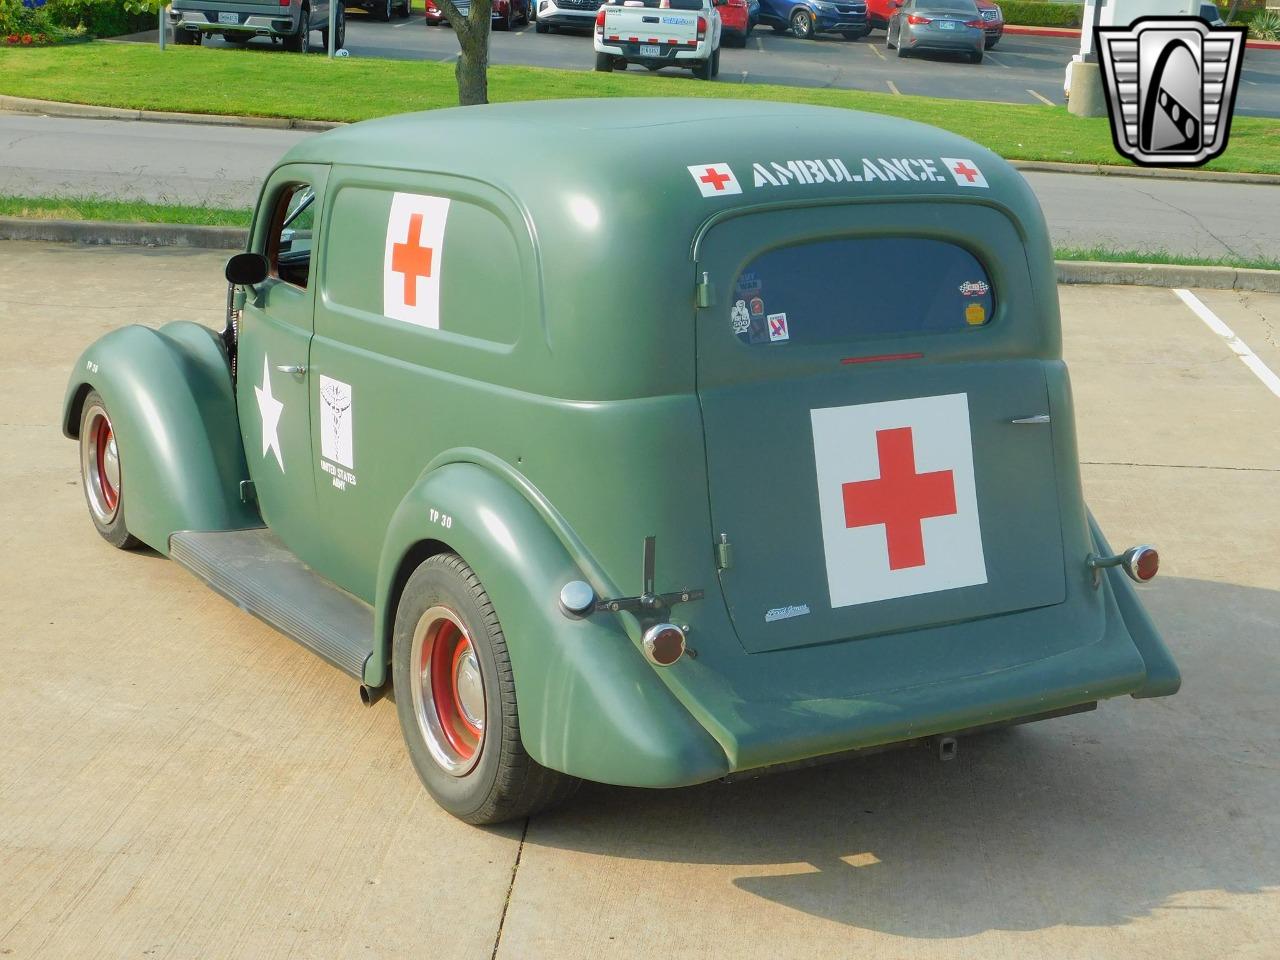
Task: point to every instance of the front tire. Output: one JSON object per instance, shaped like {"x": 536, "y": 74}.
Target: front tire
{"x": 802, "y": 25}
{"x": 540, "y": 27}
{"x": 456, "y": 700}
{"x": 100, "y": 475}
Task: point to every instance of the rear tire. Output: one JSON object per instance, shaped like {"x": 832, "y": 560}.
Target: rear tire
{"x": 888, "y": 39}
{"x": 702, "y": 69}
{"x": 975, "y": 57}
{"x": 604, "y": 63}
{"x": 715, "y": 63}
{"x": 100, "y": 474}
{"x": 340, "y": 31}
{"x": 186, "y": 38}
{"x": 383, "y": 12}
{"x": 300, "y": 42}
{"x": 456, "y": 700}
{"x": 992, "y": 43}
{"x": 406, "y": 11}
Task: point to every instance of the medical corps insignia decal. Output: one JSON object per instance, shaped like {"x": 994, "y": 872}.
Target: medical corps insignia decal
{"x": 897, "y": 498}
{"x": 1171, "y": 85}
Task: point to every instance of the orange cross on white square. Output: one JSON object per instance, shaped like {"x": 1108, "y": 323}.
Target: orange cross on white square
{"x": 413, "y": 258}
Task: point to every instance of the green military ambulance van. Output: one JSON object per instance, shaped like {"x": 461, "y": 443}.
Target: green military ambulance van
{"x": 716, "y": 437}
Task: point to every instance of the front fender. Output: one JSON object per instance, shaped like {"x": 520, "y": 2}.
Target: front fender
{"x": 172, "y": 405}
{"x": 590, "y": 705}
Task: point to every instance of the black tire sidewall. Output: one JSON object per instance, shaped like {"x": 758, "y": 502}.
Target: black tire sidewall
{"x": 116, "y": 532}
{"x": 439, "y": 582}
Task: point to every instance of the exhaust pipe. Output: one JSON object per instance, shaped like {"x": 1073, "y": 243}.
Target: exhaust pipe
{"x": 371, "y": 695}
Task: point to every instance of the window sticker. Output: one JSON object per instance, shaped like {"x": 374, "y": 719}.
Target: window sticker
{"x": 740, "y": 317}
{"x": 975, "y": 315}
{"x": 778, "y": 330}
{"x": 974, "y": 288}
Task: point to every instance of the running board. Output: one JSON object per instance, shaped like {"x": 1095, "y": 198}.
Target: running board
{"x": 260, "y": 575}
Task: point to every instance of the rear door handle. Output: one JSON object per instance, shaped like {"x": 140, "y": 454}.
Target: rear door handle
{"x": 293, "y": 369}
{"x": 1038, "y": 418}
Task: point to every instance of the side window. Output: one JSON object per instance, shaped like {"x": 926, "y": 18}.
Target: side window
{"x": 477, "y": 262}
{"x": 292, "y": 229}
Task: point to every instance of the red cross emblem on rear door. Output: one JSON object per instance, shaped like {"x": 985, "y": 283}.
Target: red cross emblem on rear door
{"x": 412, "y": 259}
{"x": 900, "y": 498}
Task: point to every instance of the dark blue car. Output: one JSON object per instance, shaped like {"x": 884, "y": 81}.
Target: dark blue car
{"x": 808, "y": 18}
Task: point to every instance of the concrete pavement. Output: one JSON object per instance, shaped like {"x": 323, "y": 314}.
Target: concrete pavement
{"x": 179, "y": 781}
{"x": 223, "y": 166}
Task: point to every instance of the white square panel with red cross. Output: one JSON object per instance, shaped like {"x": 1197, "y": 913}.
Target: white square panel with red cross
{"x": 965, "y": 172}
{"x": 897, "y": 497}
{"x": 411, "y": 261}
{"x": 714, "y": 179}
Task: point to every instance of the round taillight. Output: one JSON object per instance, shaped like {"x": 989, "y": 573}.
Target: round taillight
{"x": 664, "y": 644}
{"x": 1142, "y": 563}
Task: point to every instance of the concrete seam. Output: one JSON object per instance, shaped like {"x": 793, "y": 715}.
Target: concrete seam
{"x": 1176, "y": 466}
{"x": 502, "y": 919}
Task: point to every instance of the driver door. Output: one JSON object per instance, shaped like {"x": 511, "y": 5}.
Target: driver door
{"x": 273, "y": 354}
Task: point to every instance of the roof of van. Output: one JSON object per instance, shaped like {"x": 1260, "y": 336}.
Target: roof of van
{"x": 774, "y": 151}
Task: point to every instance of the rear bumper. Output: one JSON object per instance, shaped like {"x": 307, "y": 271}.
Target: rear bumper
{"x": 250, "y": 25}
{"x": 973, "y": 39}
{"x": 671, "y": 55}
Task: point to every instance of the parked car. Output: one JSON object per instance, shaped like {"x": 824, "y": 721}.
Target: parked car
{"x": 503, "y": 14}
{"x": 554, "y": 15}
{"x": 289, "y": 22}
{"x": 992, "y": 21}
{"x": 383, "y": 10}
{"x": 631, "y": 462}
{"x": 808, "y": 18}
{"x": 736, "y": 22}
{"x": 660, "y": 33}
{"x": 1211, "y": 14}
{"x": 945, "y": 26}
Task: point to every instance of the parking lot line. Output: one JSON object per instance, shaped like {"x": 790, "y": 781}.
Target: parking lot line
{"x": 1238, "y": 346}
{"x": 1043, "y": 99}
{"x": 759, "y": 44}
{"x": 893, "y": 88}
{"x": 998, "y": 63}
{"x": 876, "y": 50}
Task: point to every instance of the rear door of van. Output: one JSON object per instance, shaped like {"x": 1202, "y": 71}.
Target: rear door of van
{"x": 878, "y": 431}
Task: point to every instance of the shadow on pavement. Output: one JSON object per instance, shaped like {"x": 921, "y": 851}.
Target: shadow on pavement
{"x": 1095, "y": 819}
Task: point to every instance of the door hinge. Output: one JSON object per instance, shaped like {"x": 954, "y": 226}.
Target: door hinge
{"x": 702, "y": 293}
{"x": 247, "y": 492}
{"x": 724, "y": 553}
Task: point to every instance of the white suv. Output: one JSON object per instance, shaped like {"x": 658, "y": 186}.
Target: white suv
{"x": 574, "y": 14}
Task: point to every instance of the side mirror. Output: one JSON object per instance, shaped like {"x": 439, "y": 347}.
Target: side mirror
{"x": 247, "y": 269}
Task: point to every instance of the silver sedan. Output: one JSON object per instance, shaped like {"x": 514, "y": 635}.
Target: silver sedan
{"x": 947, "y": 25}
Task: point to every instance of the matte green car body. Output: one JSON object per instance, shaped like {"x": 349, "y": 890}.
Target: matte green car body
{"x": 585, "y": 409}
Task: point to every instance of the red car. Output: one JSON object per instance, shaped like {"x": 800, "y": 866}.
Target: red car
{"x": 879, "y": 12}
{"x": 504, "y": 13}
{"x": 735, "y": 19}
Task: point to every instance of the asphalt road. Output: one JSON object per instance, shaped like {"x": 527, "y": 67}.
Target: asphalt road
{"x": 179, "y": 781}
{"x": 1021, "y": 68}
{"x": 222, "y": 166}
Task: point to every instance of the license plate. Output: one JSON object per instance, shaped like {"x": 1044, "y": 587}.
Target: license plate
{"x": 946, "y": 24}
{"x": 649, "y": 50}
{"x": 233, "y": 18}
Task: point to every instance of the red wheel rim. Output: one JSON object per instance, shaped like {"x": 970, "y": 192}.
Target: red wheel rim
{"x": 110, "y": 495}
{"x": 100, "y": 464}
{"x": 448, "y": 692}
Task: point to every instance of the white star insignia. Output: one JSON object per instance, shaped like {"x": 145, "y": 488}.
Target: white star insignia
{"x": 270, "y": 409}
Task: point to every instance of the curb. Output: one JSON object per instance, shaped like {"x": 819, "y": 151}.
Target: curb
{"x": 55, "y": 108}
{"x": 96, "y": 232}
{"x": 1168, "y": 275}
{"x": 1074, "y": 32}
{"x": 1150, "y": 173}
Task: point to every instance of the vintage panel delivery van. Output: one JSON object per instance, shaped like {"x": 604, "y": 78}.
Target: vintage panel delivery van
{"x": 710, "y": 453}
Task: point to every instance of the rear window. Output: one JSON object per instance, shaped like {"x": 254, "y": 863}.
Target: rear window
{"x": 837, "y": 290}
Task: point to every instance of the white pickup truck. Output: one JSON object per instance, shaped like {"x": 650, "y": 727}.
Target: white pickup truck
{"x": 659, "y": 33}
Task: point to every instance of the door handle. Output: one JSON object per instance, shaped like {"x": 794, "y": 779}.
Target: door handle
{"x": 293, "y": 369}
{"x": 1038, "y": 418}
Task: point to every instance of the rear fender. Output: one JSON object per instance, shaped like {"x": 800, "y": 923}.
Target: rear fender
{"x": 1163, "y": 676}
{"x": 172, "y": 405}
{"x": 590, "y": 705}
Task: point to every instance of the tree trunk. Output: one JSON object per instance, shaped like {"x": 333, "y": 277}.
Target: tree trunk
{"x": 472, "y": 31}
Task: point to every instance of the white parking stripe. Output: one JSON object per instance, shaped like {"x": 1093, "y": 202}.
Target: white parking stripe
{"x": 759, "y": 44}
{"x": 875, "y": 49}
{"x": 998, "y": 63}
{"x": 893, "y": 88}
{"x": 1042, "y": 99}
{"x": 1238, "y": 346}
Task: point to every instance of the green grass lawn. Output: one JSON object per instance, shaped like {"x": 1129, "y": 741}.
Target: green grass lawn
{"x": 269, "y": 83}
